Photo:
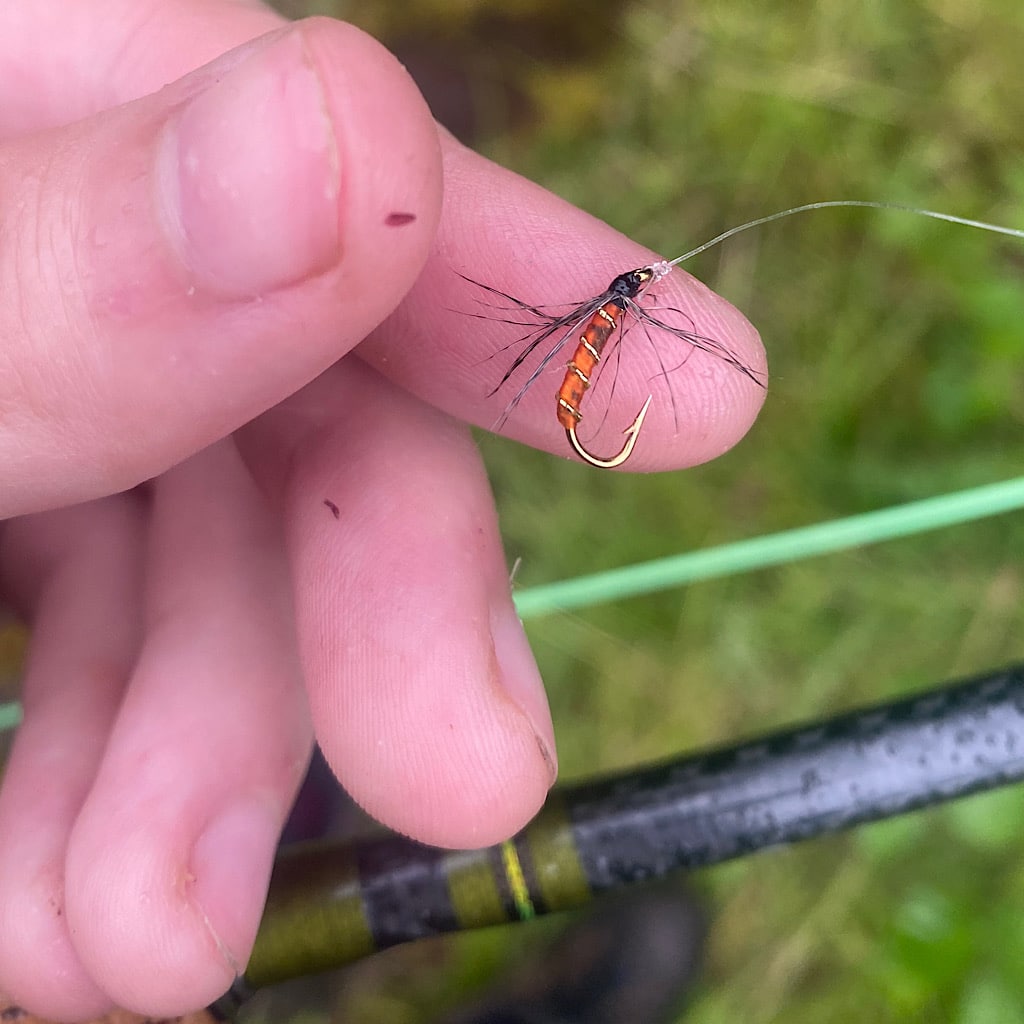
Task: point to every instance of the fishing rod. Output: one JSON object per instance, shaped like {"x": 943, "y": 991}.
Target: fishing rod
{"x": 336, "y": 902}
{"x": 333, "y": 903}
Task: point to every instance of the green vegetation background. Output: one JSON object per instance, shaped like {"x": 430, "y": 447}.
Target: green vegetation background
{"x": 896, "y": 346}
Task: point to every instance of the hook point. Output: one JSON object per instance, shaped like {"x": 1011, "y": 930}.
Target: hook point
{"x": 632, "y": 433}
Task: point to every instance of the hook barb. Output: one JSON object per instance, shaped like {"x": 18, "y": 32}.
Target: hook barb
{"x": 632, "y": 433}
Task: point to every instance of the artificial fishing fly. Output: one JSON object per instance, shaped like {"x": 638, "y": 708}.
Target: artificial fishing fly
{"x": 592, "y": 324}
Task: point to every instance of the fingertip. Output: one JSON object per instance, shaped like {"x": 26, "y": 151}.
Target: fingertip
{"x": 425, "y": 696}
{"x": 164, "y": 904}
{"x": 138, "y": 927}
{"x": 169, "y": 860}
{"x": 706, "y": 402}
{"x": 461, "y": 778}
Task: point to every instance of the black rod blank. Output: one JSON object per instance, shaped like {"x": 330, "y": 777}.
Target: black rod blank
{"x": 332, "y": 904}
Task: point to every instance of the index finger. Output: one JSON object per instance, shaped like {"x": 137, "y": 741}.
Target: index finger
{"x": 451, "y": 342}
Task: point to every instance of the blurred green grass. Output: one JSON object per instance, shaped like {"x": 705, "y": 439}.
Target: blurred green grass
{"x": 896, "y": 346}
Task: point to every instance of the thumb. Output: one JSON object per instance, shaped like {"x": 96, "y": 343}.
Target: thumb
{"x": 171, "y": 268}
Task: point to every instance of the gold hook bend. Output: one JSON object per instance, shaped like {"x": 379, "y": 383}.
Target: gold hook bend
{"x": 632, "y": 433}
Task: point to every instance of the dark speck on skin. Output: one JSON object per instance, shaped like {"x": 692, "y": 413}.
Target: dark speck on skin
{"x": 335, "y": 511}
{"x": 399, "y": 220}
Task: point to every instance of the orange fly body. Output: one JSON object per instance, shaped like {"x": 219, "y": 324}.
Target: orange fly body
{"x": 596, "y": 333}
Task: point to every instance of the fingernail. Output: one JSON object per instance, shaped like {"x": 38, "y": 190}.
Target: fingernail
{"x": 230, "y": 869}
{"x": 521, "y": 678}
{"x": 248, "y": 176}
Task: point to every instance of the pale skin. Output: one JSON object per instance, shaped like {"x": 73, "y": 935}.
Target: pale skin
{"x": 186, "y": 258}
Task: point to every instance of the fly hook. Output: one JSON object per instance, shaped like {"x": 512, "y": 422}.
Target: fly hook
{"x": 632, "y": 433}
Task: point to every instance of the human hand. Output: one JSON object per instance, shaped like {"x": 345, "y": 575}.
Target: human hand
{"x": 172, "y": 269}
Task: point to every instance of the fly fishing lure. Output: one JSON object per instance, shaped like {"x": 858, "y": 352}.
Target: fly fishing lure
{"x": 591, "y": 325}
